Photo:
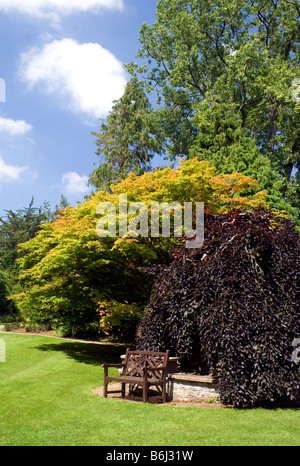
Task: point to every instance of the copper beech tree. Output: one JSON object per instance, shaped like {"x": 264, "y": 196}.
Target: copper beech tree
{"x": 231, "y": 308}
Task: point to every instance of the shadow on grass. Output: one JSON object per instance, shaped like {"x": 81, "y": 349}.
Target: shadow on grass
{"x": 87, "y": 353}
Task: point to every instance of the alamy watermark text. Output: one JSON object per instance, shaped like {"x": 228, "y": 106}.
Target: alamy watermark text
{"x": 136, "y": 219}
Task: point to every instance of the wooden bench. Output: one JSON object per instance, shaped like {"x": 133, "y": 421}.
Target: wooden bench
{"x": 142, "y": 368}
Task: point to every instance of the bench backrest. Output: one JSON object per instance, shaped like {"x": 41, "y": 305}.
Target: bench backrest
{"x": 135, "y": 361}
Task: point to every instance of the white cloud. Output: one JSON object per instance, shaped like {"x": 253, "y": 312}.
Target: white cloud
{"x": 53, "y": 9}
{"x": 89, "y": 75}
{"x": 74, "y": 183}
{"x": 14, "y": 127}
{"x": 2, "y": 90}
{"x": 10, "y": 172}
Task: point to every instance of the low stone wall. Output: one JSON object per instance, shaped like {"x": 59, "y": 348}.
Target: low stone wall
{"x": 188, "y": 387}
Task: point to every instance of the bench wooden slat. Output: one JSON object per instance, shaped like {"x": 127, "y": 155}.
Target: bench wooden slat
{"x": 132, "y": 380}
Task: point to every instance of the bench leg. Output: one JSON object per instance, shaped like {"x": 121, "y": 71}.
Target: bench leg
{"x": 123, "y": 390}
{"x": 105, "y": 382}
{"x": 105, "y": 389}
{"x": 145, "y": 391}
{"x": 164, "y": 393}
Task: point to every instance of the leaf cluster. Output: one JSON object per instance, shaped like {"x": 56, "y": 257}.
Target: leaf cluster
{"x": 66, "y": 272}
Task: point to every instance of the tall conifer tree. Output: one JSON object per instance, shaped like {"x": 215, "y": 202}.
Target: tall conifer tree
{"x": 125, "y": 141}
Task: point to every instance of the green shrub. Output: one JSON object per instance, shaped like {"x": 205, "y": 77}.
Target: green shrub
{"x": 120, "y": 320}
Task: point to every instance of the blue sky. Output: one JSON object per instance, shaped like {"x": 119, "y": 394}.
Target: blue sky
{"x": 62, "y": 64}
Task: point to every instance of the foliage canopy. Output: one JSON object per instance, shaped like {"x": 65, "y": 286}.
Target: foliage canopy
{"x": 75, "y": 280}
{"x": 202, "y": 56}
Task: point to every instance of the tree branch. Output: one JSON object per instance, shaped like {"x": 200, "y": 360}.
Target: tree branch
{"x": 295, "y": 5}
{"x": 218, "y": 48}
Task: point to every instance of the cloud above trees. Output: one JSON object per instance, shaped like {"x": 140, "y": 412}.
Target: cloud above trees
{"x": 10, "y": 172}
{"x": 74, "y": 183}
{"x": 53, "y": 9}
{"x": 14, "y": 127}
{"x": 86, "y": 76}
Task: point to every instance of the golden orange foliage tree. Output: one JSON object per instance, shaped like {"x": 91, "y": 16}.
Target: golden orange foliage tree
{"x": 84, "y": 285}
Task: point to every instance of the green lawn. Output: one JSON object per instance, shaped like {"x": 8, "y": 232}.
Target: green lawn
{"x": 46, "y": 399}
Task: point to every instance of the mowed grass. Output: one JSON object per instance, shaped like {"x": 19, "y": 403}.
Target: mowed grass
{"x": 46, "y": 400}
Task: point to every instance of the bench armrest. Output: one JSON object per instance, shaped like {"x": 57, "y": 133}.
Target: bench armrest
{"x": 114, "y": 365}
